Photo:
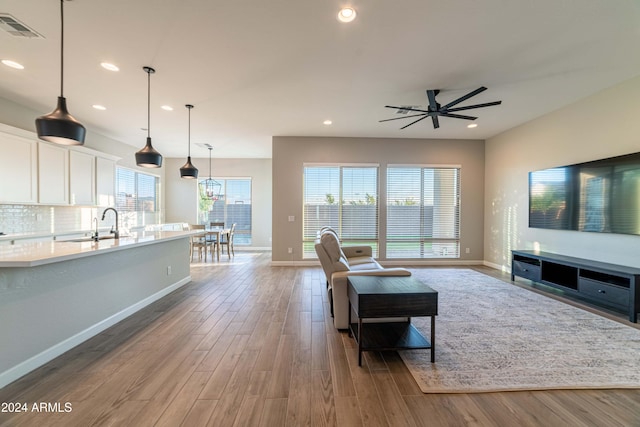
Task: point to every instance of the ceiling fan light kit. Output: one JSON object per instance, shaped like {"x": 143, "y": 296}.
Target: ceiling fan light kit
{"x": 435, "y": 110}
{"x": 148, "y": 157}
{"x": 59, "y": 126}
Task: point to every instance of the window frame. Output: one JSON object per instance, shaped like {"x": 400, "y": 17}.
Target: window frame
{"x": 243, "y": 236}
{"x": 341, "y": 226}
{"x": 439, "y": 246}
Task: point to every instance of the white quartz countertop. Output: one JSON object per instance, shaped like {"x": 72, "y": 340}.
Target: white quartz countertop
{"x": 32, "y": 254}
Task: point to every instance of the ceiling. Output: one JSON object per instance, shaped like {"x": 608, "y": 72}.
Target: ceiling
{"x": 254, "y": 69}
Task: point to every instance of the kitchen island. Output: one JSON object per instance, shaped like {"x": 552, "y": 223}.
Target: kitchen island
{"x": 56, "y": 294}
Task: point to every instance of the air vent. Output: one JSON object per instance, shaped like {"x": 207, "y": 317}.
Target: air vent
{"x": 16, "y": 28}
{"x": 403, "y": 111}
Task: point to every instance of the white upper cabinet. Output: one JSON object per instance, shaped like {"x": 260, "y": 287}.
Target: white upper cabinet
{"x": 105, "y": 181}
{"x": 82, "y": 178}
{"x": 18, "y": 167}
{"x": 33, "y": 171}
{"x": 53, "y": 176}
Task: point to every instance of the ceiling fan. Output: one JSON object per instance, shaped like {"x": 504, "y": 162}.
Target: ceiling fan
{"x": 435, "y": 109}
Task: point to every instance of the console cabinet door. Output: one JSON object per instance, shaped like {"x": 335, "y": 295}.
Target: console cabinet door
{"x": 82, "y": 178}
{"x": 53, "y": 177}
{"x": 18, "y": 169}
{"x": 105, "y": 181}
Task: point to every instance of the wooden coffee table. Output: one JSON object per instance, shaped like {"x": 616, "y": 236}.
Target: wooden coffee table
{"x": 387, "y": 296}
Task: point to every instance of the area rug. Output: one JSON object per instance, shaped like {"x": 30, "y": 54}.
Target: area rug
{"x": 494, "y": 336}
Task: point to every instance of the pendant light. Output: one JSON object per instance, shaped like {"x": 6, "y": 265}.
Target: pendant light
{"x": 188, "y": 171}
{"x": 210, "y": 187}
{"x": 148, "y": 157}
{"x": 59, "y": 126}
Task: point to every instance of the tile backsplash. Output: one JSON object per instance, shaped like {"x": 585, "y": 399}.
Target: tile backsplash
{"x": 38, "y": 219}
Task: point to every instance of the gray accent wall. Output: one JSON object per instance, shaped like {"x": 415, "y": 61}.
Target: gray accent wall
{"x": 291, "y": 153}
{"x": 600, "y": 126}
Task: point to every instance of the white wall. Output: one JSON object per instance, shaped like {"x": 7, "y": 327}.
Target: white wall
{"x": 182, "y": 194}
{"x": 600, "y": 126}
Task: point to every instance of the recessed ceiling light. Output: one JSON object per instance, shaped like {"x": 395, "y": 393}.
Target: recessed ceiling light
{"x": 472, "y": 125}
{"x": 99, "y": 107}
{"x": 167, "y": 108}
{"x": 327, "y": 122}
{"x": 13, "y": 64}
{"x": 347, "y": 14}
{"x": 109, "y": 66}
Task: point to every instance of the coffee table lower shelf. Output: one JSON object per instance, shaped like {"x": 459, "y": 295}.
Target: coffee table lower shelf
{"x": 388, "y": 336}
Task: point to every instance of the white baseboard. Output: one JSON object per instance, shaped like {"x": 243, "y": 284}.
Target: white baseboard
{"x": 56, "y": 350}
{"x": 504, "y": 269}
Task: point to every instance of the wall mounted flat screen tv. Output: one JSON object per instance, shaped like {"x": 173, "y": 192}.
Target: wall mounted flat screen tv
{"x": 601, "y": 196}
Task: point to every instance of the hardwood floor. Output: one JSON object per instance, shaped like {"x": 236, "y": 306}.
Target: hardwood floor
{"x": 247, "y": 344}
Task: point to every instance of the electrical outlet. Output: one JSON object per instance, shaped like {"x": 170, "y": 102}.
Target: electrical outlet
{"x": 292, "y": 218}
{"x": 290, "y": 250}
{"x": 467, "y": 251}
{"x": 168, "y": 270}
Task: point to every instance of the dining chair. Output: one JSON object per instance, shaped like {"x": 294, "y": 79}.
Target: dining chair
{"x": 227, "y": 240}
{"x": 200, "y": 242}
{"x": 214, "y": 224}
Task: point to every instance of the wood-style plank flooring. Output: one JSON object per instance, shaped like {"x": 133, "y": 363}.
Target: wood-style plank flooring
{"x": 247, "y": 344}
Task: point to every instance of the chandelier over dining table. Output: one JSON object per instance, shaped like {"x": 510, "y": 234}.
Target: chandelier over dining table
{"x": 210, "y": 188}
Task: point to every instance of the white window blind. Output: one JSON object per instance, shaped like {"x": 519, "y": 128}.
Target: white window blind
{"x": 136, "y": 198}
{"x": 344, "y": 198}
{"x": 423, "y": 212}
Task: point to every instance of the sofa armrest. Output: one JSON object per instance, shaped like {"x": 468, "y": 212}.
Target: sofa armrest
{"x": 342, "y": 275}
{"x": 354, "y": 251}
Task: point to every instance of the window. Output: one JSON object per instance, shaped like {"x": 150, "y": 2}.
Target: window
{"x": 423, "y": 212}
{"x": 137, "y": 198}
{"x": 233, "y": 206}
{"x": 344, "y": 198}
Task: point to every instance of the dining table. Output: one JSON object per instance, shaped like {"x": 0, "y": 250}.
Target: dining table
{"x": 216, "y": 233}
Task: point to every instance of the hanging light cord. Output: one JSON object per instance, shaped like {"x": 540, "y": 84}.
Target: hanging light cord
{"x": 210, "y": 162}
{"x": 148, "y": 103}
{"x": 189, "y": 132}
{"x": 61, "y": 49}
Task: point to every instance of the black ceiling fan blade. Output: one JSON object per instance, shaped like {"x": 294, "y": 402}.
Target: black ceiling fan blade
{"x": 425, "y": 116}
{"x": 436, "y": 122}
{"x": 398, "y": 118}
{"x": 458, "y": 116}
{"x": 469, "y": 107}
{"x": 407, "y": 109}
{"x": 431, "y": 94}
{"x": 464, "y": 98}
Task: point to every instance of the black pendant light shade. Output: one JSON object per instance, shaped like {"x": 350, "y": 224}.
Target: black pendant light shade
{"x": 59, "y": 126}
{"x": 148, "y": 157}
{"x": 210, "y": 188}
{"x": 188, "y": 171}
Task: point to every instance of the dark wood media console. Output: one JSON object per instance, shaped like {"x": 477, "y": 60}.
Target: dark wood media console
{"x": 616, "y": 287}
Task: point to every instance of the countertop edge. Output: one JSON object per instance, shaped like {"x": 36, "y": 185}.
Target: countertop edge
{"x": 76, "y": 250}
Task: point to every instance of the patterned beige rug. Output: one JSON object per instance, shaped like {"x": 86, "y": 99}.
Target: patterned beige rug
{"x": 492, "y": 336}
